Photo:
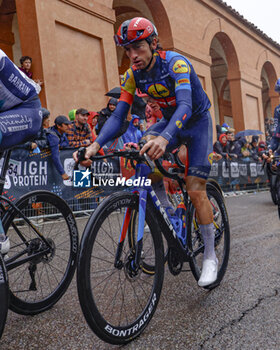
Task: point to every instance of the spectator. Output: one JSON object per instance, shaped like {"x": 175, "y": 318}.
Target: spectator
{"x": 25, "y": 67}
{"x": 253, "y": 147}
{"x": 72, "y": 114}
{"x": 92, "y": 122}
{"x": 231, "y": 143}
{"x": 152, "y": 112}
{"x": 133, "y": 134}
{"x": 262, "y": 148}
{"x": 218, "y": 131}
{"x": 79, "y": 133}
{"x": 221, "y": 147}
{"x": 241, "y": 149}
{"x": 58, "y": 140}
{"x": 106, "y": 113}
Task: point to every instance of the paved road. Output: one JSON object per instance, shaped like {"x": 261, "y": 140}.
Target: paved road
{"x": 242, "y": 313}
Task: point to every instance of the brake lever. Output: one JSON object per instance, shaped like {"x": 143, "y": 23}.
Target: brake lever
{"x": 149, "y": 161}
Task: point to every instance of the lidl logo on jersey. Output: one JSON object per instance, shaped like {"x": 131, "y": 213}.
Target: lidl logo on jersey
{"x": 180, "y": 66}
{"x": 158, "y": 90}
{"x": 82, "y": 178}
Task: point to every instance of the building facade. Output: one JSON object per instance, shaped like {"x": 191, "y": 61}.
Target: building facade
{"x": 71, "y": 43}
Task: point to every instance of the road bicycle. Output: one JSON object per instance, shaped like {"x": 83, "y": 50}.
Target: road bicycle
{"x": 4, "y": 294}
{"x": 43, "y": 247}
{"x": 121, "y": 261}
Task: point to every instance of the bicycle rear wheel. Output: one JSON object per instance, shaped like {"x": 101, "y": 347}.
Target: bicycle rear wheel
{"x": 36, "y": 285}
{"x": 222, "y": 236}
{"x": 117, "y": 301}
{"x": 4, "y": 295}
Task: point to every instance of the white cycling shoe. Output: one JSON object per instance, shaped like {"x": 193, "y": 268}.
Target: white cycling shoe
{"x": 209, "y": 272}
{"x": 5, "y": 246}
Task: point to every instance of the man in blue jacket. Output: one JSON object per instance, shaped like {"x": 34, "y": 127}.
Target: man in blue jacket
{"x": 57, "y": 139}
{"x": 133, "y": 133}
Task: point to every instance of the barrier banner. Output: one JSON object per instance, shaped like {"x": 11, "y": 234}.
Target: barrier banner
{"x": 36, "y": 171}
{"x": 228, "y": 173}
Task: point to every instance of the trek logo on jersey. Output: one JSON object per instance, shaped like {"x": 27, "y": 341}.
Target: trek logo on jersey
{"x": 82, "y": 178}
{"x": 184, "y": 116}
{"x": 180, "y": 66}
{"x": 158, "y": 90}
{"x": 179, "y": 124}
{"x": 211, "y": 158}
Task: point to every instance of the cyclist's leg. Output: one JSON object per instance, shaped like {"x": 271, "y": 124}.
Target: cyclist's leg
{"x": 157, "y": 178}
{"x": 199, "y": 149}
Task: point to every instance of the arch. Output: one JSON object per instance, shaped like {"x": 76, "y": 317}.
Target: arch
{"x": 154, "y": 11}
{"x": 268, "y": 77}
{"x": 7, "y": 11}
{"x": 225, "y": 72}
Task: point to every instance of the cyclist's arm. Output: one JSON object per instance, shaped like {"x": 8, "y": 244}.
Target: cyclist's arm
{"x": 180, "y": 71}
{"x": 115, "y": 122}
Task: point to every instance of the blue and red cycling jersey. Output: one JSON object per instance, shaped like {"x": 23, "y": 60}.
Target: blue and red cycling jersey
{"x": 173, "y": 83}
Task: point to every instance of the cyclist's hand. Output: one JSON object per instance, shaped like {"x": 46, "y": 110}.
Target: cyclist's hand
{"x": 155, "y": 148}
{"x": 33, "y": 145}
{"x": 90, "y": 151}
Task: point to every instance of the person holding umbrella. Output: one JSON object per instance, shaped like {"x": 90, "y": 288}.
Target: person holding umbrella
{"x": 170, "y": 79}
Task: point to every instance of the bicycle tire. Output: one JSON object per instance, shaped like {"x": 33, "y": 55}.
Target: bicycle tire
{"x": 222, "y": 237}
{"x": 4, "y": 295}
{"x": 106, "y": 291}
{"x": 38, "y": 284}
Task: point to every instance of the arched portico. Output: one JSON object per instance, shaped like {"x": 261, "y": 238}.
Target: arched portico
{"x": 225, "y": 75}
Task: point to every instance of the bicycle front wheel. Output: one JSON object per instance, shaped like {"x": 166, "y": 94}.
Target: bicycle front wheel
{"x": 4, "y": 295}
{"x": 118, "y": 301}
{"x": 37, "y": 283}
{"x": 222, "y": 236}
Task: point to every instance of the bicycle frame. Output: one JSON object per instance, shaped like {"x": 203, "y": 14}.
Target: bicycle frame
{"x": 183, "y": 254}
{"x": 13, "y": 262}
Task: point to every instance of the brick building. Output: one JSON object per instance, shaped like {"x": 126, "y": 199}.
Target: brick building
{"x": 73, "y": 52}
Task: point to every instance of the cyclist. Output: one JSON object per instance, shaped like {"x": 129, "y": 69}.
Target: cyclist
{"x": 20, "y": 113}
{"x": 170, "y": 79}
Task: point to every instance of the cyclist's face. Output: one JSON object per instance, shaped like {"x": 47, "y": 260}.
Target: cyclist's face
{"x": 140, "y": 53}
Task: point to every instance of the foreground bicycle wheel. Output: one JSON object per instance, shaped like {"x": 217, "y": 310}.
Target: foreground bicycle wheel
{"x": 118, "y": 302}
{"x": 38, "y": 284}
{"x": 222, "y": 237}
{"x": 4, "y": 295}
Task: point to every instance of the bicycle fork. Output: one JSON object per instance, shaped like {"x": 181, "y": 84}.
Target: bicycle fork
{"x": 134, "y": 259}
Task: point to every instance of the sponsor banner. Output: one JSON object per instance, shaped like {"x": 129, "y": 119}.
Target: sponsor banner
{"x": 105, "y": 176}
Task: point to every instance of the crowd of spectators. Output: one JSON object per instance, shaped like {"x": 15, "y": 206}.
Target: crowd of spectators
{"x": 229, "y": 147}
{"x": 81, "y": 128}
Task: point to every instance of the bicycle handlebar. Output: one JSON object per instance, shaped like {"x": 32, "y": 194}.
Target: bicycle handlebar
{"x": 133, "y": 155}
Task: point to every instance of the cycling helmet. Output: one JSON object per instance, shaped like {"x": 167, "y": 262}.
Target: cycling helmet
{"x": 277, "y": 86}
{"x": 135, "y": 29}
